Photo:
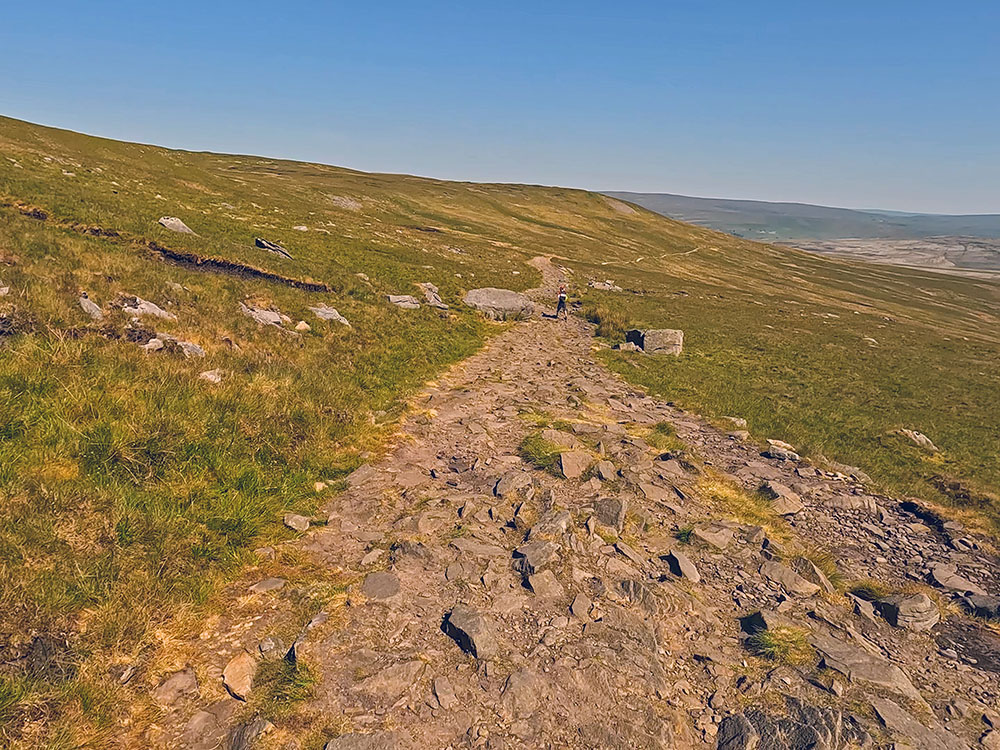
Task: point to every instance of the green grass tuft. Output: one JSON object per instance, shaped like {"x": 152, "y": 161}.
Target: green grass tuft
{"x": 539, "y": 452}
{"x": 869, "y": 589}
{"x": 783, "y": 644}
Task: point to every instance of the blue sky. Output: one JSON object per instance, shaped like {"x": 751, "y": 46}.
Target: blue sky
{"x": 884, "y": 104}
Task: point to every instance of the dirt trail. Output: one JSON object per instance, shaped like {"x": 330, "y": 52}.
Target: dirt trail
{"x": 600, "y": 599}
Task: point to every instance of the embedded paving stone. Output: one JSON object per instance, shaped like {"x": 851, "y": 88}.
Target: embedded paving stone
{"x": 207, "y": 728}
{"x": 471, "y": 630}
{"x": 176, "y": 686}
{"x": 714, "y": 535}
{"x": 530, "y": 558}
{"x": 572, "y": 464}
{"x": 737, "y": 733}
{"x": 681, "y": 566}
{"x": 380, "y": 585}
{"x": 545, "y": 585}
{"x": 238, "y": 675}
{"x": 610, "y": 511}
{"x": 388, "y": 740}
{"x": 296, "y": 522}
{"x": 902, "y": 724}
{"x": 514, "y": 483}
{"x": 390, "y": 683}
{"x": 784, "y": 500}
{"x": 802, "y": 727}
{"x": 522, "y": 693}
{"x": 244, "y": 736}
{"x": 560, "y": 438}
{"x": 268, "y": 584}
{"x": 909, "y": 611}
{"x": 861, "y": 666}
{"x": 788, "y": 579}
{"x": 946, "y": 576}
{"x": 444, "y": 692}
{"x": 477, "y": 549}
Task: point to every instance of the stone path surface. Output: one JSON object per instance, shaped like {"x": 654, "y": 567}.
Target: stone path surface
{"x": 606, "y": 601}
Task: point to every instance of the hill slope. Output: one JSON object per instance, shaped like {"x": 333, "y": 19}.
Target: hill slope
{"x": 132, "y": 487}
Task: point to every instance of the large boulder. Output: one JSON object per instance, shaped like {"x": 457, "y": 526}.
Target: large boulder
{"x": 657, "y": 340}
{"x": 499, "y": 304}
{"x": 909, "y": 611}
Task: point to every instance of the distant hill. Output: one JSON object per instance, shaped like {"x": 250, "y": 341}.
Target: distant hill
{"x": 792, "y": 222}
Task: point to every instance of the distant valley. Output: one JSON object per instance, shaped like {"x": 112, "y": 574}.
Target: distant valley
{"x": 960, "y": 243}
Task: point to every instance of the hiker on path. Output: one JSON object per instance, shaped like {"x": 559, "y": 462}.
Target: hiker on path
{"x": 561, "y": 305}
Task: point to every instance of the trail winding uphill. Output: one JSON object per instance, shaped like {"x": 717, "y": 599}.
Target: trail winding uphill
{"x": 527, "y": 569}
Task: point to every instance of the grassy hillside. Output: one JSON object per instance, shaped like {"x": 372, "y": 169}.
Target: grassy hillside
{"x": 130, "y": 487}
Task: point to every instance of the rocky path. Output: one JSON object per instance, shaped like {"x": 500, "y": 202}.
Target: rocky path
{"x": 605, "y": 599}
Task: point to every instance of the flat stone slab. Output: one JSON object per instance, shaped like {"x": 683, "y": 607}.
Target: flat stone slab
{"x": 268, "y": 584}
{"x": 477, "y": 549}
{"x": 946, "y": 576}
{"x": 380, "y": 585}
{"x": 860, "y": 666}
{"x": 392, "y": 681}
{"x": 788, "y": 579}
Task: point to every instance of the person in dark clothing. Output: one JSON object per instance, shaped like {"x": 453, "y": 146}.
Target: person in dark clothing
{"x": 561, "y": 304}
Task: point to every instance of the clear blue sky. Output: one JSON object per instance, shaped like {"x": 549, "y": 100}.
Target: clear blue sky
{"x": 881, "y": 103}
